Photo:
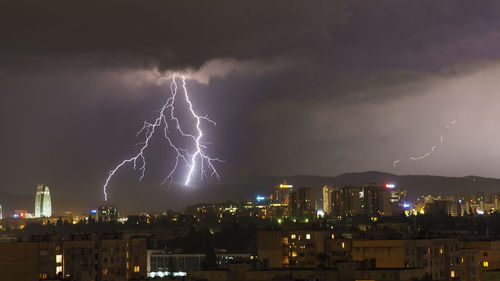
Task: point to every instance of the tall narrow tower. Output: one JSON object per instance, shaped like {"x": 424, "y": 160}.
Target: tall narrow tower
{"x": 43, "y": 205}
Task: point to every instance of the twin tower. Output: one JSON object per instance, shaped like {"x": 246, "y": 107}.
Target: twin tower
{"x": 43, "y": 205}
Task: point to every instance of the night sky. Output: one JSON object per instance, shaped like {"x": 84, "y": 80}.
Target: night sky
{"x": 295, "y": 87}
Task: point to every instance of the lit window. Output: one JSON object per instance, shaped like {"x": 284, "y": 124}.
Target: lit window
{"x": 285, "y": 260}
{"x": 294, "y": 254}
{"x": 333, "y": 236}
{"x": 462, "y": 260}
{"x": 58, "y": 258}
{"x": 293, "y": 236}
{"x": 137, "y": 268}
{"x": 441, "y": 250}
{"x": 343, "y": 245}
{"x": 58, "y": 269}
{"x": 285, "y": 240}
{"x": 485, "y": 264}
{"x": 452, "y": 274}
{"x": 308, "y": 236}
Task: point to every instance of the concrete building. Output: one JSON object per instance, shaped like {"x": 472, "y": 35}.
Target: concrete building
{"x": 43, "y": 203}
{"x": 292, "y": 248}
{"x": 330, "y": 199}
{"x": 281, "y": 193}
{"x": 19, "y": 261}
{"x": 50, "y": 255}
{"x": 107, "y": 213}
{"x": 242, "y": 272}
{"x": 161, "y": 262}
{"x": 376, "y": 199}
{"x": 442, "y": 208}
{"x": 303, "y": 204}
{"x": 348, "y": 202}
{"x": 104, "y": 257}
{"x": 436, "y": 256}
{"x": 491, "y": 275}
{"x": 485, "y": 256}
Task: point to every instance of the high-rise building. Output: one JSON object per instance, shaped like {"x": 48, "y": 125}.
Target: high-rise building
{"x": 331, "y": 196}
{"x": 377, "y": 199}
{"x": 107, "y": 213}
{"x": 281, "y": 193}
{"x": 43, "y": 205}
{"x": 348, "y": 201}
{"x": 302, "y": 203}
{"x": 327, "y": 198}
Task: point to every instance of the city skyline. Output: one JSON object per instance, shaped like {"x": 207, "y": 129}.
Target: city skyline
{"x": 287, "y": 140}
{"x": 319, "y": 95}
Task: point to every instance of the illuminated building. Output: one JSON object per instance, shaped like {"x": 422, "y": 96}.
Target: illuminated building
{"x": 161, "y": 262}
{"x": 43, "y": 205}
{"x": 377, "y": 199}
{"x": 107, "y": 213}
{"x": 21, "y": 214}
{"x": 93, "y": 215}
{"x": 330, "y": 199}
{"x": 487, "y": 255}
{"x": 348, "y": 201}
{"x": 106, "y": 257}
{"x": 50, "y": 255}
{"x": 298, "y": 247}
{"x": 438, "y": 257}
{"x": 302, "y": 203}
{"x": 281, "y": 193}
{"x": 398, "y": 196}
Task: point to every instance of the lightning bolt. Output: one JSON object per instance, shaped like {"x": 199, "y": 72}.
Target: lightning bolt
{"x": 166, "y": 117}
{"x": 441, "y": 141}
{"x": 425, "y": 155}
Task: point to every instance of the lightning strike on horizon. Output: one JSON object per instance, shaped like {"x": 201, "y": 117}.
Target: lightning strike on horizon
{"x": 197, "y": 159}
{"x": 441, "y": 141}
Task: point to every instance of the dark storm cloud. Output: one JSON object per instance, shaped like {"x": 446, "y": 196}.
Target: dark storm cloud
{"x": 297, "y": 87}
{"x": 176, "y": 34}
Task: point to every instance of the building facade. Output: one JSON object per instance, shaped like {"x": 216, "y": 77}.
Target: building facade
{"x": 303, "y": 203}
{"x": 43, "y": 204}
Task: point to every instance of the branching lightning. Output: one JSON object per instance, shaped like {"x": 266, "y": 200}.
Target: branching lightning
{"x": 433, "y": 148}
{"x": 198, "y": 159}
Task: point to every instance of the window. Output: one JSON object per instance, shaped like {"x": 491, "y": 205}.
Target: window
{"x": 294, "y": 254}
{"x": 452, "y": 274}
{"x": 308, "y": 236}
{"x": 333, "y": 236}
{"x": 485, "y": 264}
{"x": 293, "y": 236}
{"x": 137, "y": 268}
{"x": 58, "y": 269}
{"x": 343, "y": 245}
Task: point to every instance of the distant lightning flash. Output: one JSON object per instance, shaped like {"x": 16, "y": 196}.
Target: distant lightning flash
{"x": 441, "y": 141}
{"x": 191, "y": 160}
{"x": 425, "y": 155}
